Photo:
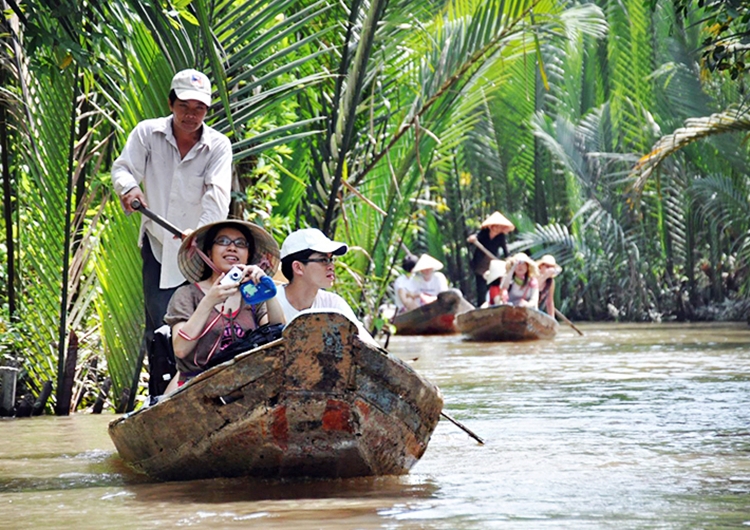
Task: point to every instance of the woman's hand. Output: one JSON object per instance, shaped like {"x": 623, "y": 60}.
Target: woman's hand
{"x": 219, "y": 293}
{"x": 252, "y": 273}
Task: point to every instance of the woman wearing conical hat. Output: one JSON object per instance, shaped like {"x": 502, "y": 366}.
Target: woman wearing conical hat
{"x": 427, "y": 280}
{"x": 520, "y": 286}
{"x": 548, "y": 270}
{"x": 492, "y": 236}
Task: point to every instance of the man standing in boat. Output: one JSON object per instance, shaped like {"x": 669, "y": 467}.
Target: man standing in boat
{"x": 491, "y": 236}
{"x": 185, "y": 170}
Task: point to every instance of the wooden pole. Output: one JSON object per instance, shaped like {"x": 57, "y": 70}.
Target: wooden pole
{"x": 557, "y": 312}
{"x": 462, "y": 427}
{"x": 8, "y": 376}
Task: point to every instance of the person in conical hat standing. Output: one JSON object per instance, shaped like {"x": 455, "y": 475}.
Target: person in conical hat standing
{"x": 492, "y": 235}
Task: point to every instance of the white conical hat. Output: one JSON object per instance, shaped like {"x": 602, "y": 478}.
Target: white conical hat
{"x": 498, "y": 219}
{"x": 425, "y": 262}
{"x": 549, "y": 260}
{"x": 496, "y": 270}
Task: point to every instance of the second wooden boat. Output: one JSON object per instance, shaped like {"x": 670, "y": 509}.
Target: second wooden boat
{"x": 319, "y": 402}
{"x": 437, "y": 318}
{"x": 506, "y": 323}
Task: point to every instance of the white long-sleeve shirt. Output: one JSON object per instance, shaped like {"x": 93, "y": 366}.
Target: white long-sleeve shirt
{"x": 188, "y": 192}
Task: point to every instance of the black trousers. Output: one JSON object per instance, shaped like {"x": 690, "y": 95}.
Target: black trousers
{"x": 161, "y": 364}
{"x": 481, "y": 289}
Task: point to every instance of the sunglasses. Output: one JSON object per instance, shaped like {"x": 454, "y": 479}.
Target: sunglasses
{"x": 225, "y": 241}
{"x": 327, "y": 260}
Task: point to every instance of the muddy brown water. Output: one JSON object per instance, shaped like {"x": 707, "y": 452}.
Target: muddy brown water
{"x": 629, "y": 426}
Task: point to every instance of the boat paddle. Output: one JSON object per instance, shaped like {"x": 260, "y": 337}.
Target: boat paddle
{"x": 557, "y": 311}
{"x": 136, "y": 205}
{"x": 462, "y": 427}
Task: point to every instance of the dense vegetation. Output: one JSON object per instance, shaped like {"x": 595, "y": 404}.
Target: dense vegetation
{"x": 390, "y": 125}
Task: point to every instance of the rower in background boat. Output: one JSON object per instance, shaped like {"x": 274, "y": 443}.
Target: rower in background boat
{"x": 427, "y": 280}
{"x": 548, "y": 271}
{"x": 494, "y": 277}
{"x": 405, "y": 295}
{"x": 520, "y": 287}
{"x": 492, "y": 236}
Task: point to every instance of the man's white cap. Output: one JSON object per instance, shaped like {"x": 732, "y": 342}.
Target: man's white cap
{"x": 192, "y": 84}
{"x": 311, "y": 239}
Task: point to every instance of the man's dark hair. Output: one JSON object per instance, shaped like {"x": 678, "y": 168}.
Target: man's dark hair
{"x": 208, "y": 242}
{"x": 286, "y": 263}
{"x": 409, "y": 261}
{"x": 172, "y": 96}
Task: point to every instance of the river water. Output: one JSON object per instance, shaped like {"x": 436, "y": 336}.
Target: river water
{"x": 628, "y": 426}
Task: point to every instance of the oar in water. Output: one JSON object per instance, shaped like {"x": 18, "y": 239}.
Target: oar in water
{"x": 462, "y": 427}
{"x": 557, "y": 312}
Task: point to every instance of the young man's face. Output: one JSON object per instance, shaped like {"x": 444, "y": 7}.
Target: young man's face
{"x": 318, "y": 270}
{"x": 188, "y": 114}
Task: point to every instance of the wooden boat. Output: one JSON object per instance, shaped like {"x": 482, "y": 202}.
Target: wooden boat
{"x": 319, "y": 402}
{"x": 506, "y": 323}
{"x": 437, "y": 318}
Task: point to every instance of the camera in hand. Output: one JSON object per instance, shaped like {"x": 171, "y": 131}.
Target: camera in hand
{"x": 234, "y": 275}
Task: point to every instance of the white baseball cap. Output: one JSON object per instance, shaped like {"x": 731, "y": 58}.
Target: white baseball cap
{"x": 192, "y": 84}
{"x": 311, "y": 239}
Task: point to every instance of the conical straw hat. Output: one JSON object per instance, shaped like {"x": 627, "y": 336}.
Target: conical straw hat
{"x": 192, "y": 266}
{"x": 498, "y": 219}
{"x": 496, "y": 270}
{"x": 549, "y": 260}
{"x": 425, "y": 262}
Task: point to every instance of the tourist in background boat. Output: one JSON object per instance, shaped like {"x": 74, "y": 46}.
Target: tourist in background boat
{"x": 308, "y": 263}
{"x": 209, "y": 314}
{"x": 494, "y": 277}
{"x": 520, "y": 287}
{"x": 185, "y": 168}
{"x": 404, "y": 294}
{"x": 427, "y": 281}
{"x": 492, "y": 236}
{"x": 548, "y": 270}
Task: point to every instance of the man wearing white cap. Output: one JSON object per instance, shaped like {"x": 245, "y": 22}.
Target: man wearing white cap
{"x": 185, "y": 170}
{"x": 307, "y": 261}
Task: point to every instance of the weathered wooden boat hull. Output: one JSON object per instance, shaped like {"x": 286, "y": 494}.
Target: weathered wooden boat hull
{"x": 437, "y": 318}
{"x": 319, "y": 402}
{"x": 506, "y": 323}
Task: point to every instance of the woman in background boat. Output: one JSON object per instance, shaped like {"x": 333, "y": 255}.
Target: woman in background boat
{"x": 520, "y": 286}
{"x": 548, "y": 270}
{"x": 492, "y": 236}
{"x": 208, "y": 314}
{"x": 404, "y": 294}
{"x": 427, "y": 281}
{"x": 494, "y": 277}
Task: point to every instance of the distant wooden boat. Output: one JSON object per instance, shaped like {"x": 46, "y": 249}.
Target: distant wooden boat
{"x": 318, "y": 402}
{"x": 437, "y": 318}
{"x": 506, "y": 323}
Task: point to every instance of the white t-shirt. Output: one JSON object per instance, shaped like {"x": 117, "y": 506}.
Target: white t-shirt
{"x": 402, "y": 282}
{"x": 437, "y": 284}
{"x": 324, "y": 300}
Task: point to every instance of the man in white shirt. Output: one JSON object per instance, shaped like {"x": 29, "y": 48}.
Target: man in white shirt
{"x": 185, "y": 169}
{"x": 307, "y": 261}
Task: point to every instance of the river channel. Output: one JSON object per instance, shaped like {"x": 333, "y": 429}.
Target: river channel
{"x": 628, "y": 426}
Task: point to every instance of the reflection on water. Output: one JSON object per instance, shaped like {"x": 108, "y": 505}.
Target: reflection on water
{"x": 629, "y": 426}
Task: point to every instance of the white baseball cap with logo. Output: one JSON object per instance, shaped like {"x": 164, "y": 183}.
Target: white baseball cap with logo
{"x": 311, "y": 239}
{"x": 192, "y": 84}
